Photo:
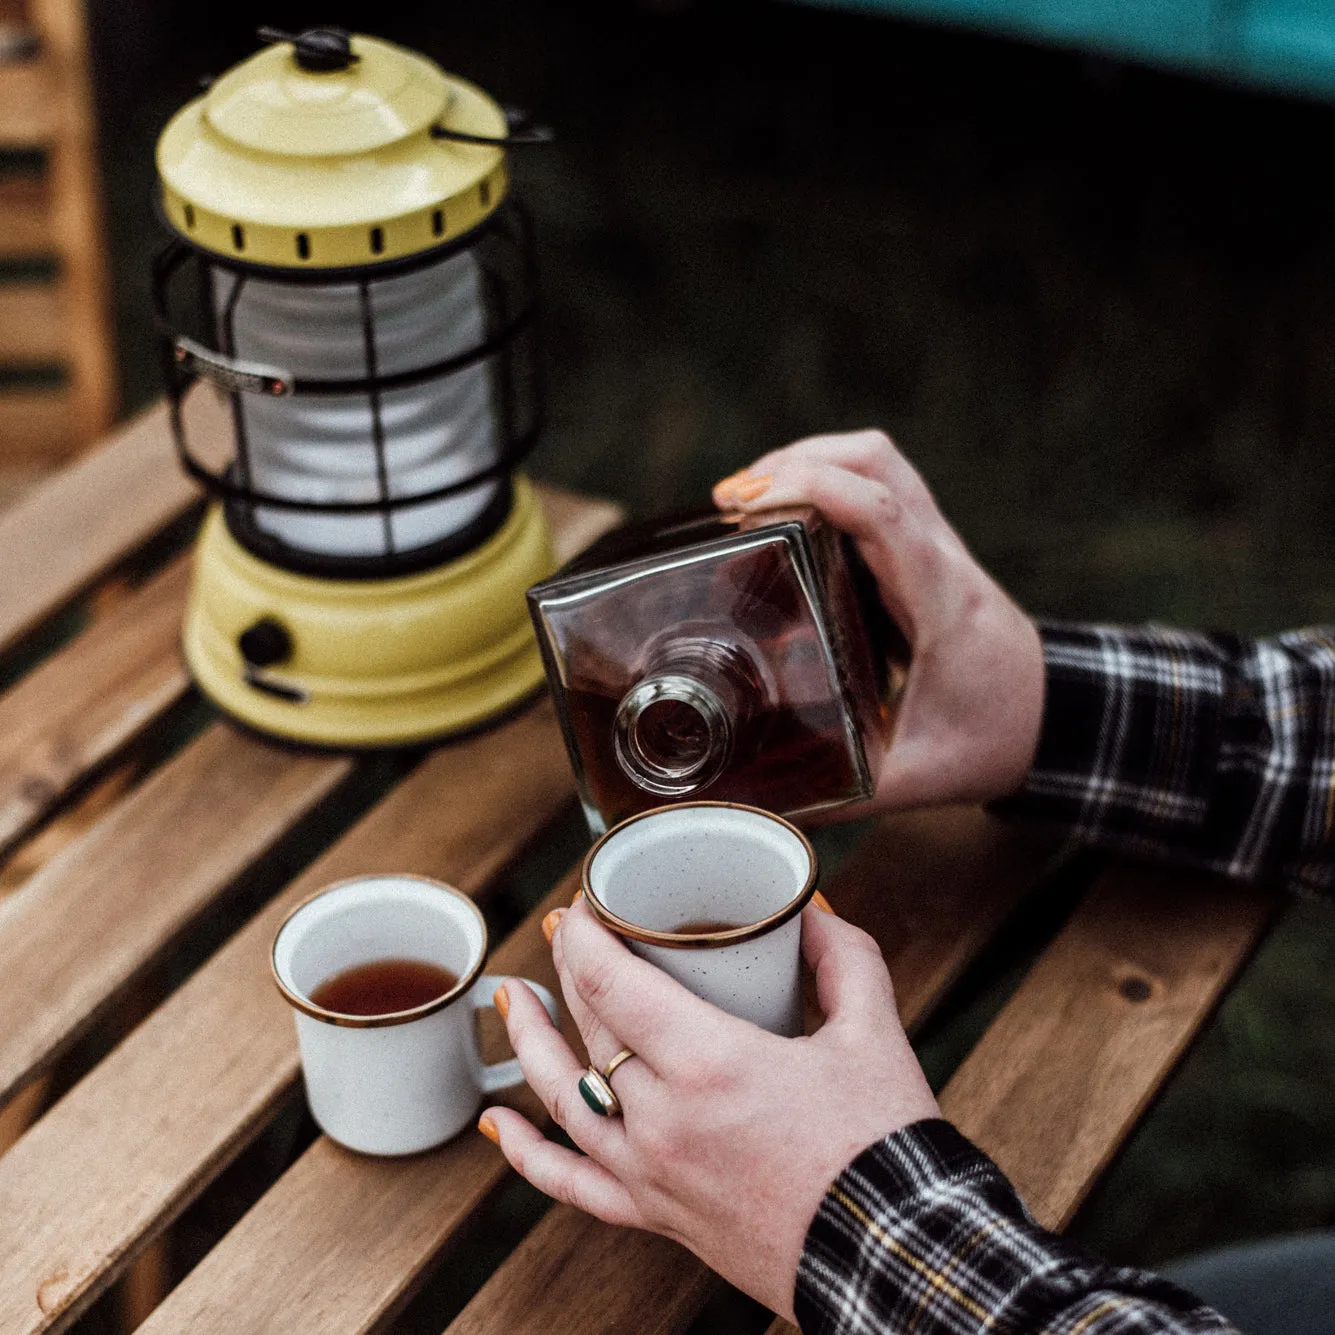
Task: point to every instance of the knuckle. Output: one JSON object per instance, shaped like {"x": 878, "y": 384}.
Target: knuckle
{"x": 559, "y": 1104}
{"x": 594, "y": 981}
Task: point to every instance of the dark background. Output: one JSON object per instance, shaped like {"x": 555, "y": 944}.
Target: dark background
{"x": 1095, "y": 305}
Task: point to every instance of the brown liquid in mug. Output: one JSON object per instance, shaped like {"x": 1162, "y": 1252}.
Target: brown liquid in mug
{"x": 382, "y": 987}
{"x": 704, "y": 926}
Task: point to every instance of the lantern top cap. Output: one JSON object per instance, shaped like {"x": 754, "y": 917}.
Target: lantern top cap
{"x": 281, "y": 101}
{"x": 318, "y": 152}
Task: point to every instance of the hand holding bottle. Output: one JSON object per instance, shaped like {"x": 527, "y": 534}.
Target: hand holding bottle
{"x": 969, "y": 715}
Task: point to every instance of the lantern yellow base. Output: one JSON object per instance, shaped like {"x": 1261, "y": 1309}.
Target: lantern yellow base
{"x": 372, "y": 663}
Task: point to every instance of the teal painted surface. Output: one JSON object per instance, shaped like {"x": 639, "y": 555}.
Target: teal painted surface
{"x": 1285, "y": 44}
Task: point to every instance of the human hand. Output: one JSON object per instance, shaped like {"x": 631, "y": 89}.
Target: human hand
{"x": 968, "y": 719}
{"x": 730, "y": 1135}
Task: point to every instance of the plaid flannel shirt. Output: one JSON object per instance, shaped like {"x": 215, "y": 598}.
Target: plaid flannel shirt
{"x": 1209, "y": 751}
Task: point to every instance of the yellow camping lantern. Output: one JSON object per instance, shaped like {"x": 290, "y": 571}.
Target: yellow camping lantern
{"x": 347, "y": 270}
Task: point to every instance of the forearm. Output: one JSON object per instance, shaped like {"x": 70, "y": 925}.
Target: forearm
{"x": 922, "y": 1232}
{"x": 1207, "y": 750}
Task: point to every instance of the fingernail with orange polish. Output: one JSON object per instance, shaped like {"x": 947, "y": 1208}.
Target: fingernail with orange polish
{"x": 822, "y": 903}
{"x": 549, "y": 924}
{"x": 724, "y": 487}
{"x": 488, "y": 1129}
{"x": 578, "y": 895}
{"x": 502, "y": 1000}
{"x": 753, "y": 490}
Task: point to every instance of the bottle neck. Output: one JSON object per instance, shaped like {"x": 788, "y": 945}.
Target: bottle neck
{"x": 675, "y": 729}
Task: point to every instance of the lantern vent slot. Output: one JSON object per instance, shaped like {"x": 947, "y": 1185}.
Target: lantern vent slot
{"x": 377, "y": 241}
{"x": 484, "y": 193}
{"x": 238, "y": 237}
{"x": 303, "y": 246}
{"x": 190, "y": 216}
{"x": 438, "y": 223}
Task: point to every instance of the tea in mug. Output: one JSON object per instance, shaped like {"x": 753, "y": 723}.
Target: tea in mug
{"x": 382, "y": 987}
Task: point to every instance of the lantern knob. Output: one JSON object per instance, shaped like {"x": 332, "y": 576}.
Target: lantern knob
{"x": 266, "y": 643}
{"x": 318, "y": 50}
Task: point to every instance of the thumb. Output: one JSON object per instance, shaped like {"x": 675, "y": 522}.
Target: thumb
{"x": 852, "y": 981}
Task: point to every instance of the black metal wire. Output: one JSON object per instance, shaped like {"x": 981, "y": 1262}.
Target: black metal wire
{"x": 377, "y": 423}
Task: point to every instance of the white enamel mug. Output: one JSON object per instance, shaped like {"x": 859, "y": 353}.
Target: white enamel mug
{"x": 710, "y": 862}
{"x": 402, "y": 1082}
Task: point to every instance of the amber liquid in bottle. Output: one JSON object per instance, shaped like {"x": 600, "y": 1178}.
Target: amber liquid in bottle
{"x": 733, "y": 700}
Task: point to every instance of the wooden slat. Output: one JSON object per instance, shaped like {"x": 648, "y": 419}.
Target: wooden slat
{"x": 111, "y": 1164}
{"x": 86, "y": 702}
{"x": 565, "y": 1276}
{"x": 36, "y": 428}
{"x": 1074, "y": 1058}
{"x": 27, "y": 112}
{"x": 932, "y": 887}
{"x": 90, "y": 921}
{"x": 25, "y": 216}
{"x": 107, "y": 1168}
{"x": 78, "y": 219}
{"x": 70, "y": 530}
{"x": 974, "y": 861}
{"x": 405, "y": 1210}
{"x": 101, "y": 912}
{"x": 1065, "y": 1071}
{"x": 32, "y": 323}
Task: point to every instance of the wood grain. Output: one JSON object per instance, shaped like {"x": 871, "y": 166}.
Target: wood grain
{"x": 103, "y": 910}
{"x": 36, "y": 429}
{"x": 32, "y": 323}
{"x": 932, "y": 887}
{"x": 564, "y": 1276}
{"x": 1066, "y": 1069}
{"x": 26, "y": 110}
{"x": 115, "y": 1160}
{"x": 78, "y": 218}
{"x": 25, "y": 207}
{"x": 93, "y": 1182}
{"x": 322, "y": 1275}
{"x": 67, "y": 532}
{"x": 85, "y": 703}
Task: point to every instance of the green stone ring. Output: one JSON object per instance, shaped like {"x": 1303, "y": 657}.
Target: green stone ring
{"x": 595, "y": 1086}
{"x": 598, "y": 1094}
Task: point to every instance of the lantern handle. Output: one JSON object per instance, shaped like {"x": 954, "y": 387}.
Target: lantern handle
{"x": 522, "y": 132}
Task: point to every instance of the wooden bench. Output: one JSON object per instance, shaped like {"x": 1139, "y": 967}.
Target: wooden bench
{"x": 131, "y": 840}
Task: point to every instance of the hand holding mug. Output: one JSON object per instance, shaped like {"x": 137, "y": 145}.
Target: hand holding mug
{"x": 729, "y": 1135}
{"x": 969, "y": 716}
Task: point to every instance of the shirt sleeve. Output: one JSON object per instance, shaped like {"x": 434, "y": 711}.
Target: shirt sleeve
{"x": 1212, "y": 751}
{"x": 923, "y": 1233}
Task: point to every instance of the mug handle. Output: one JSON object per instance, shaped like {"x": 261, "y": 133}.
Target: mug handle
{"x": 501, "y": 1075}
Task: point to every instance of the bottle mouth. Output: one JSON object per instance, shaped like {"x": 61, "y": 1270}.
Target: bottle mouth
{"x": 673, "y": 735}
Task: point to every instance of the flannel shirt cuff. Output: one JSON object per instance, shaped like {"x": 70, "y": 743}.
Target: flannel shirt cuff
{"x": 1206, "y": 750}
{"x": 1127, "y": 753}
{"x": 922, "y": 1232}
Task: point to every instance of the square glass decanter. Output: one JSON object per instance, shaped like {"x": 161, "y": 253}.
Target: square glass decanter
{"x": 718, "y": 658}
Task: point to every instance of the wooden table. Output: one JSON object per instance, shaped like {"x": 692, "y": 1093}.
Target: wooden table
{"x": 120, "y": 846}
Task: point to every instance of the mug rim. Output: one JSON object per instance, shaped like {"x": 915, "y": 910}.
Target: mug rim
{"x": 734, "y": 936}
{"x": 342, "y": 1020}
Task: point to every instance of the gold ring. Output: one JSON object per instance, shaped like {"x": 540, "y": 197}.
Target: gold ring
{"x": 615, "y": 1062}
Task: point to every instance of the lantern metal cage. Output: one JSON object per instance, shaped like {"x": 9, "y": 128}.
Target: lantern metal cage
{"x": 200, "y": 298}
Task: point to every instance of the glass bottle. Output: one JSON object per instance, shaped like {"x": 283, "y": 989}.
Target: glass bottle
{"x": 727, "y": 658}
